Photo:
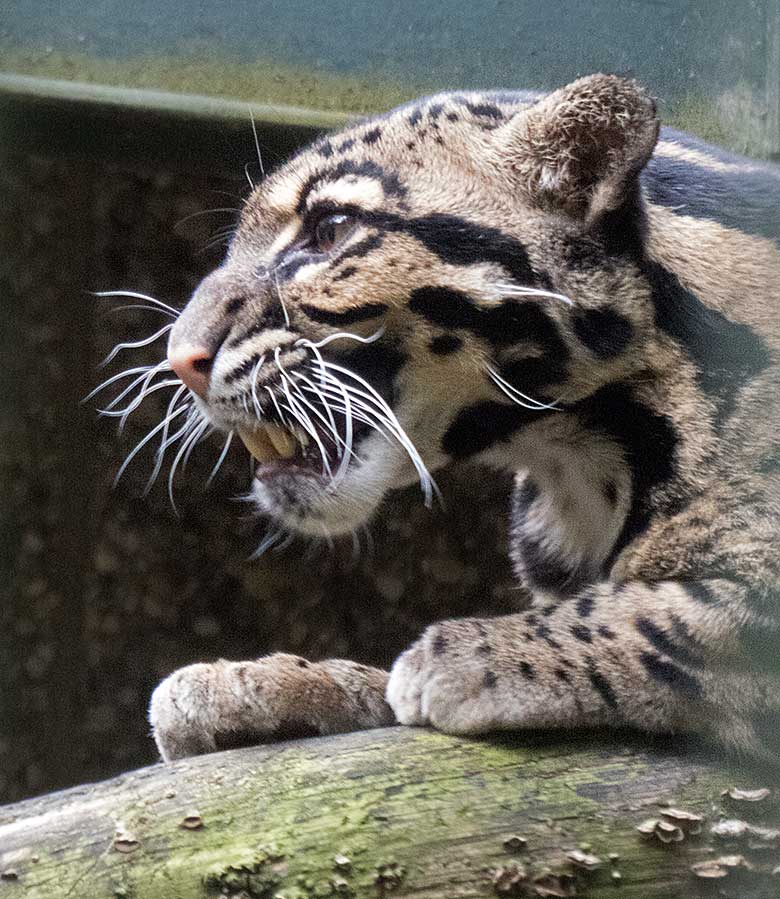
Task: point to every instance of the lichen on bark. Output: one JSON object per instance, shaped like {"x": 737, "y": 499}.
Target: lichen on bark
{"x": 401, "y": 812}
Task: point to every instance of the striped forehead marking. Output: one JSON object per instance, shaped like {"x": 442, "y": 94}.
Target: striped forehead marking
{"x": 364, "y": 192}
{"x": 388, "y": 180}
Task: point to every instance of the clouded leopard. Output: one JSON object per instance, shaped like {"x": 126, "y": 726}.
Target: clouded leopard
{"x": 543, "y": 285}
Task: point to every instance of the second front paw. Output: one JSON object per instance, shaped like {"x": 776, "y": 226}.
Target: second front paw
{"x": 447, "y": 679}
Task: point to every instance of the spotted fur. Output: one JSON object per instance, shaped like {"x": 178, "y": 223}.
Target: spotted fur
{"x": 548, "y": 289}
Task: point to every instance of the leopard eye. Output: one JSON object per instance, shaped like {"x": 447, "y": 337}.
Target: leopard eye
{"x": 331, "y": 230}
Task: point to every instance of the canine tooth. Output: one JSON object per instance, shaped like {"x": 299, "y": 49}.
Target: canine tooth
{"x": 283, "y": 441}
{"x": 302, "y": 437}
{"x": 259, "y": 444}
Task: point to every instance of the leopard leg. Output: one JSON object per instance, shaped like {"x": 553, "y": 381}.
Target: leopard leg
{"x": 206, "y": 707}
{"x": 666, "y": 657}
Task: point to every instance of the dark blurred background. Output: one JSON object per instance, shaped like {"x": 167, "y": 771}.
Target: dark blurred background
{"x": 118, "y": 128}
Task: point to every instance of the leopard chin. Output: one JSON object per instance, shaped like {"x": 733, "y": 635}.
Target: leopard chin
{"x": 301, "y": 497}
{"x": 303, "y": 500}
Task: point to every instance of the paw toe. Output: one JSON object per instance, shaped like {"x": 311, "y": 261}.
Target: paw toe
{"x": 405, "y": 687}
{"x": 176, "y": 713}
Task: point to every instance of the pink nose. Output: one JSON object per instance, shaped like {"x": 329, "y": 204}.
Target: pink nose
{"x": 192, "y": 364}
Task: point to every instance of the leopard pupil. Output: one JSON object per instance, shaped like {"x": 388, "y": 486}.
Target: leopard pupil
{"x": 330, "y": 230}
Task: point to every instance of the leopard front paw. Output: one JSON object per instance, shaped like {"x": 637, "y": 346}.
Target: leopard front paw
{"x": 445, "y": 679}
{"x": 207, "y": 707}
{"x": 203, "y": 708}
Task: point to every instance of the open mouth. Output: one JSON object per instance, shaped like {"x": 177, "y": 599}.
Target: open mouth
{"x": 311, "y": 417}
{"x": 289, "y": 448}
{"x": 318, "y": 419}
{"x": 275, "y": 446}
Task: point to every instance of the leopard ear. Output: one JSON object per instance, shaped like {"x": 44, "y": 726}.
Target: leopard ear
{"x": 580, "y": 149}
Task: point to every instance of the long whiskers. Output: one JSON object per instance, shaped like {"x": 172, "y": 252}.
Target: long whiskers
{"x": 134, "y": 295}
{"x": 142, "y": 384}
{"x": 165, "y": 441}
{"x": 185, "y": 448}
{"x": 142, "y": 443}
{"x": 517, "y": 396}
{"x": 108, "y": 412}
{"x": 221, "y": 459}
{"x": 507, "y": 288}
{"x": 374, "y": 407}
{"x": 321, "y": 401}
{"x": 135, "y": 344}
{"x": 201, "y": 212}
{"x": 343, "y": 335}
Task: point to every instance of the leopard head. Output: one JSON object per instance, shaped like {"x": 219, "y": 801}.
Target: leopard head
{"x": 421, "y": 288}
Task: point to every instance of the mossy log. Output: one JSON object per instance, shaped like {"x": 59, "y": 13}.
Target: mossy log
{"x": 397, "y": 812}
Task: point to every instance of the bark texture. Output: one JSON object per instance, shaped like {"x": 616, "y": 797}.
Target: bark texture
{"x": 401, "y": 812}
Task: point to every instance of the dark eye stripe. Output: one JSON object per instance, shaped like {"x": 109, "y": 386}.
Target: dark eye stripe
{"x": 459, "y": 241}
{"x": 360, "y": 249}
{"x": 345, "y": 317}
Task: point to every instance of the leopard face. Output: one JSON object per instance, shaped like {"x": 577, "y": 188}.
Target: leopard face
{"x": 439, "y": 283}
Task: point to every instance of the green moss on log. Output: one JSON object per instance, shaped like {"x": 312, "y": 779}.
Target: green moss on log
{"x": 398, "y": 812}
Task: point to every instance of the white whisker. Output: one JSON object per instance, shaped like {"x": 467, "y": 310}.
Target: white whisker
{"x": 120, "y": 413}
{"x": 331, "y": 421}
{"x": 343, "y": 335}
{"x": 186, "y": 445}
{"x": 202, "y": 212}
{"x": 257, "y": 142}
{"x": 143, "y": 392}
{"x": 301, "y": 415}
{"x": 267, "y": 542}
{"x": 142, "y": 384}
{"x": 221, "y": 459}
{"x": 388, "y": 416}
{"x": 279, "y": 412}
{"x": 348, "y": 431}
{"x": 190, "y": 422}
{"x": 142, "y": 443}
{"x": 359, "y": 410}
{"x": 204, "y": 429}
{"x": 220, "y": 237}
{"x": 166, "y": 441}
{"x": 132, "y": 306}
{"x": 123, "y": 374}
{"x": 517, "y": 396}
{"x": 520, "y": 290}
{"x": 248, "y": 176}
{"x": 306, "y": 423}
{"x": 135, "y": 344}
{"x": 134, "y": 295}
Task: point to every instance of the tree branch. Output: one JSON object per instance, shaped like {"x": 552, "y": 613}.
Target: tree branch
{"x": 401, "y": 812}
